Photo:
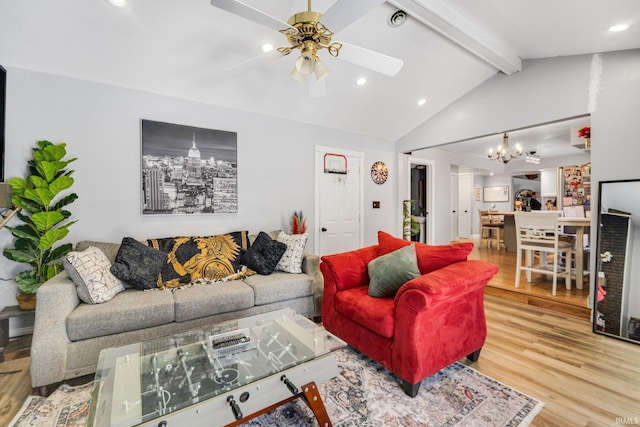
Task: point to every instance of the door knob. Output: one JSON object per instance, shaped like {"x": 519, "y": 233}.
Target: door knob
{"x": 323, "y": 229}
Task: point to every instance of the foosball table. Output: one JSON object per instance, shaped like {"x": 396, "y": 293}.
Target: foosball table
{"x": 221, "y": 375}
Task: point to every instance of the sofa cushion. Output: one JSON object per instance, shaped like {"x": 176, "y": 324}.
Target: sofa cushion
{"x": 127, "y": 311}
{"x": 89, "y": 271}
{"x": 430, "y": 257}
{"x": 279, "y": 286}
{"x": 108, "y": 248}
{"x": 375, "y": 314}
{"x": 263, "y": 254}
{"x": 192, "y": 257}
{"x": 207, "y": 300}
{"x": 388, "y": 272}
{"x": 138, "y": 264}
{"x": 291, "y": 260}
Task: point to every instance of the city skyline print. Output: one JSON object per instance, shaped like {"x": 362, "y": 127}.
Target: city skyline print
{"x": 188, "y": 170}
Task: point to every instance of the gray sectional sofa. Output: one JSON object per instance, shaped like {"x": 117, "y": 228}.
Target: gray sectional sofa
{"x": 69, "y": 334}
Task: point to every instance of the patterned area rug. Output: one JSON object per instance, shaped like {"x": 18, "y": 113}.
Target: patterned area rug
{"x": 66, "y": 407}
{"x": 364, "y": 394}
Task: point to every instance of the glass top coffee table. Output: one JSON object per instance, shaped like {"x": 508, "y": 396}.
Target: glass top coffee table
{"x": 220, "y": 375}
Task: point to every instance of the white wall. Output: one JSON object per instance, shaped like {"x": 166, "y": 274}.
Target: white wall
{"x": 101, "y": 125}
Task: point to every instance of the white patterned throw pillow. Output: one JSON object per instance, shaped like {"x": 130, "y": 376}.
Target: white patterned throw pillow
{"x": 89, "y": 271}
{"x": 291, "y": 261}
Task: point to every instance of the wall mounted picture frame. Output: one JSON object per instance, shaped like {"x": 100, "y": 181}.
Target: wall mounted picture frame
{"x": 188, "y": 170}
{"x": 498, "y": 193}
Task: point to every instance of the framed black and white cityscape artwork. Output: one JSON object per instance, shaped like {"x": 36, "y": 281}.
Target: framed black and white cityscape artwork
{"x": 188, "y": 170}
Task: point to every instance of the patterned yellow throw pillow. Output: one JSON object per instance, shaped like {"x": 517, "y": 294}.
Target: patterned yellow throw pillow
{"x": 192, "y": 258}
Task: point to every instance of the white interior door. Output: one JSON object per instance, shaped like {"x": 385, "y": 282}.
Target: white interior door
{"x": 465, "y": 189}
{"x": 339, "y": 204}
{"x": 453, "y": 202}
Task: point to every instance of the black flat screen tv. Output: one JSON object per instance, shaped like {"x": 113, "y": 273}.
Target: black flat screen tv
{"x": 3, "y": 93}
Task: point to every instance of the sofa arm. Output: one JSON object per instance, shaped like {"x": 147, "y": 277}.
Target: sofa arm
{"x": 55, "y": 300}
{"x": 450, "y": 281}
{"x": 439, "y": 318}
{"x": 342, "y": 271}
{"x": 348, "y": 269}
{"x": 311, "y": 266}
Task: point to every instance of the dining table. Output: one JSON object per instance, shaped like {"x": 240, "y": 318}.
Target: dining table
{"x": 581, "y": 226}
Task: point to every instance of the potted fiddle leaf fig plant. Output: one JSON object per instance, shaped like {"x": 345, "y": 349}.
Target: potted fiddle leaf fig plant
{"x": 41, "y": 200}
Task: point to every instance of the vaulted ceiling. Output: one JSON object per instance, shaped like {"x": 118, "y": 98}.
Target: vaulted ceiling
{"x": 185, "y": 49}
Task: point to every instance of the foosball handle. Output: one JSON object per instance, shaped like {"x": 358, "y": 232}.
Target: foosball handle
{"x": 237, "y": 413}
{"x": 292, "y": 388}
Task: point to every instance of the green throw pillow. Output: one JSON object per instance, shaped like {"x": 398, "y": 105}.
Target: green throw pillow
{"x": 389, "y": 272}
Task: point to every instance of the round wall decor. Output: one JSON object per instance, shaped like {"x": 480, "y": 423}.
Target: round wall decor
{"x": 379, "y": 172}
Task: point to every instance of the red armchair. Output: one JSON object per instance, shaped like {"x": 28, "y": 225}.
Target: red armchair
{"x": 431, "y": 322}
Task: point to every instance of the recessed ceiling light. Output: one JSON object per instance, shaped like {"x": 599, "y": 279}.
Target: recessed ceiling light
{"x": 120, "y": 4}
{"x": 422, "y": 101}
{"x": 618, "y": 27}
{"x": 267, "y": 47}
{"x": 361, "y": 81}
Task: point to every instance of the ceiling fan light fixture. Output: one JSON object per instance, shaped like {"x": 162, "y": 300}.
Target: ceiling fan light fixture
{"x": 295, "y": 74}
{"x": 321, "y": 70}
{"x": 305, "y": 64}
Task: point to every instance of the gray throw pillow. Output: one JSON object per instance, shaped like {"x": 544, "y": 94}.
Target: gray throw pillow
{"x": 389, "y": 272}
{"x": 138, "y": 264}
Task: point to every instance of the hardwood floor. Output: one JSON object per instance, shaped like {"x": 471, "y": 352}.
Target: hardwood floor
{"x": 584, "y": 379}
{"x": 573, "y": 302}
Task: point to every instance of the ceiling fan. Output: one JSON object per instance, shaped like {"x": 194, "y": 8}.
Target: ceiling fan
{"x": 305, "y": 32}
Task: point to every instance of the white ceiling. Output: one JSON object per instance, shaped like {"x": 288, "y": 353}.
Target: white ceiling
{"x": 183, "y": 49}
{"x": 546, "y": 140}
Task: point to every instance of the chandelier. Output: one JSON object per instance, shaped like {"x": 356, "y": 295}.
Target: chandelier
{"x": 504, "y": 153}
{"x": 309, "y": 35}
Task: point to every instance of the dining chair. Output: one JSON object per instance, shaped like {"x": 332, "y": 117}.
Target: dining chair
{"x": 491, "y": 228}
{"x": 539, "y": 233}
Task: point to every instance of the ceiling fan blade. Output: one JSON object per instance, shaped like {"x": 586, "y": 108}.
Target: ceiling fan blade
{"x": 370, "y": 59}
{"x": 344, "y": 12}
{"x": 253, "y": 62}
{"x": 316, "y": 89}
{"x": 251, "y": 13}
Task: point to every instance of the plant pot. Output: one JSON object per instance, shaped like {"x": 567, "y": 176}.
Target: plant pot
{"x": 26, "y": 301}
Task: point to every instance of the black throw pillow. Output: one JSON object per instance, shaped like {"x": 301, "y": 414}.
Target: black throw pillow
{"x": 263, "y": 255}
{"x": 138, "y": 264}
